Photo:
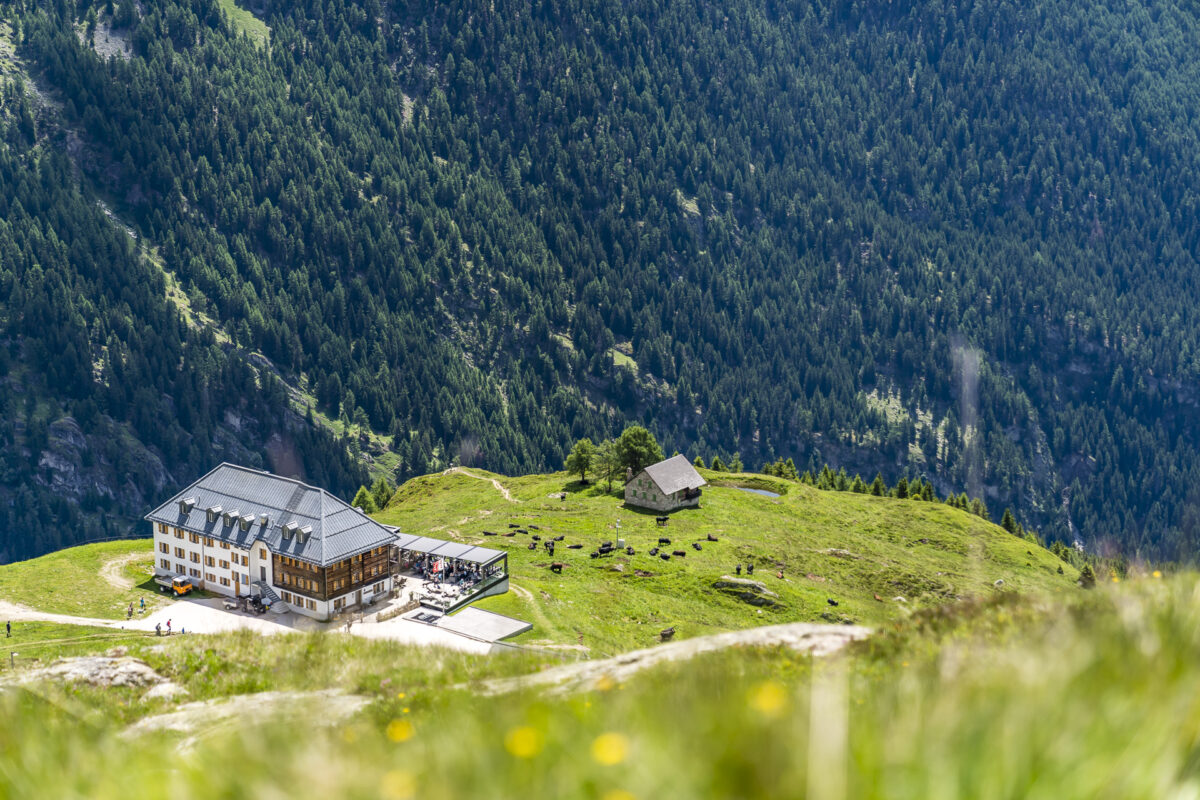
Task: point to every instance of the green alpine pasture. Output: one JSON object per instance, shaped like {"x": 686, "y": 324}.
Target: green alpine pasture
{"x": 92, "y": 580}
{"x": 849, "y": 548}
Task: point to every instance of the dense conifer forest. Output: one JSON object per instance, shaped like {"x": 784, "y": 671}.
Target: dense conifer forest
{"x": 952, "y": 242}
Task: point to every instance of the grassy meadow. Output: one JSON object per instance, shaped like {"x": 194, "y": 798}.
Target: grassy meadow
{"x": 1085, "y": 695}
{"x": 837, "y": 546}
{"x": 73, "y": 581}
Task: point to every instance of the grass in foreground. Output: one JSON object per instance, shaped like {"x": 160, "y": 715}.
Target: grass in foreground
{"x": 1090, "y": 696}
{"x": 830, "y": 545}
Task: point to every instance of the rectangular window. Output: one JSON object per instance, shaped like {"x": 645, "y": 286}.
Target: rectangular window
{"x": 163, "y": 547}
{"x": 195, "y": 558}
{"x": 224, "y": 565}
{"x": 262, "y": 552}
{"x": 245, "y": 561}
{"x": 311, "y": 605}
{"x": 224, "y": 545}
{"x": 179, "y": 552}
{"x": 224, "y": 581}
{"x": 194, "y": 538}
{"x": 209, "y": 561}
{"x": 162, "y": 527}
{"x": 208, "y": 542}
{"x": 178, "y": 533}
{"x": 195, "y": 573}
{"x": 166, "y": 564}
{"x": 287, "y": 597}
{"x": 181, "y": 569}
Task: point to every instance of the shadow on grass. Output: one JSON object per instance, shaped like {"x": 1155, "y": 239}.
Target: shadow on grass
{"x": 149, "y": 585}
{"x": 591, "y": 489}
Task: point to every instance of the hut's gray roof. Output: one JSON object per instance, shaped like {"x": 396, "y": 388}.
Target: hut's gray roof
{"x": 674, "y": 474}
{"x": 333, "y": 530}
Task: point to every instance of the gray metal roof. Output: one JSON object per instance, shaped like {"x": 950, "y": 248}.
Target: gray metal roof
{"x": 481, "y": 555}
{"x": 424, "y": 544}
{"x": 674, "y": 474}
{"x": 327, "y": 529}
{"x": 452, "y": 549}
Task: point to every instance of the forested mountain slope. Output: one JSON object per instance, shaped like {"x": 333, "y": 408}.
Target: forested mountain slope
{"x": 950, "y": 239}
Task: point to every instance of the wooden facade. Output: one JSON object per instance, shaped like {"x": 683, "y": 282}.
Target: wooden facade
{"x": 326, "y": 583}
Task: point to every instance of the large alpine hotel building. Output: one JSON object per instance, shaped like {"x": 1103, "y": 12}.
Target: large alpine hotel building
{"x": 239, "y": 532}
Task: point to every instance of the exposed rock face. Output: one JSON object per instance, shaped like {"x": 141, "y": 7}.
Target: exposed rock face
{"x": 749, "y": 591}
{"x": 102, "y": 671}
{"x": 803, "y": 637}
{"x": 109, "y": 463}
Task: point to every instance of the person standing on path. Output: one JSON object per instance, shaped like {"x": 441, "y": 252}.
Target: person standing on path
{"x": 8, "y": 629}
{"x": 142, "y": 600}
{"x": 168, "y": 627}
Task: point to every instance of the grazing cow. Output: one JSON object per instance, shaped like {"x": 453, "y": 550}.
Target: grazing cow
{"x": 664, "y": 540}
{"x": 696, "y": 546}
{"x": 666, "y": 634}
{"x": 574, "y": 547}
{"x": 653, "y": 551}
{"x": 511, "y": 533}
{"x": 557, "y": 566}
{"x": 537, "y": 538}
{"x": 559, "y": 538}
{"x": 594, "y": 554}
{"x": 679, "y": 553}
{"x": 489, "y": 533}
{"x": 662, "y": 521}
{"x": 749, "y": 569}
{"x": 629, "y": 551}
{"x": 831, "y": 601}
{"x": 712, "y": 538}
{"x": 534, "y": 528}
{"x": 665, "y": 556}
{"x": 533, "y": 545}
{"x": 606, "y": 544}
{"x": 522, "y": 530}
{"x": 514, "y": 525}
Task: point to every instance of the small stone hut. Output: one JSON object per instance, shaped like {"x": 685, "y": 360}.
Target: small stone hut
{"x": 665, "y": 486}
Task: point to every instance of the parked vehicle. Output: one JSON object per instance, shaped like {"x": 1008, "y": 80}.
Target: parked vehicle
{"x": 177, "y": 585}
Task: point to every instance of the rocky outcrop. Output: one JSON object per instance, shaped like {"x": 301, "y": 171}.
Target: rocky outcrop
{"x": 102, "y": 671}
{"x": 749, "y": 591}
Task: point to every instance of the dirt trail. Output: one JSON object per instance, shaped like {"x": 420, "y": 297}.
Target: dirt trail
{"x": 803, "y": 637}
{"x": 111, "y": 572}
{"x": 499, "y": 486}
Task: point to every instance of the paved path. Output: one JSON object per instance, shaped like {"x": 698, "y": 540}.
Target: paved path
{"x": 210, "y": 616}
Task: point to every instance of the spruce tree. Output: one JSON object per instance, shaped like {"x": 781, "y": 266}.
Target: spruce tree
{"x": 878, "y": 487}
{"x": 1087, "y": 577}
{"x": 902, "y": 489}
{"x": 1008, "y": 522}
{"x": 364, "y": 501}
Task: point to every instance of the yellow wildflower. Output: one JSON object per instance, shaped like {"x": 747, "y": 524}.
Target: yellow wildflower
{"x": 524, "y": 742}
{"x": 610, "y": 749}
{"x": 399, "y": 730}
{"x": 768, "y": 698}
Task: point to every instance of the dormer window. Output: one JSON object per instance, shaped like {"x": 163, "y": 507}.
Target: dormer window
{"x": 186, "y": 506}
{"x": 213, "y": 513}
{"x": 245, "y": 522}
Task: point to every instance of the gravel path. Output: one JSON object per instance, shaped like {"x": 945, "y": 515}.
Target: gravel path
{"x": 499, "y": 486}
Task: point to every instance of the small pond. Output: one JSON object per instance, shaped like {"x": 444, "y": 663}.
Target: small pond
{"x": 763, "y": 492}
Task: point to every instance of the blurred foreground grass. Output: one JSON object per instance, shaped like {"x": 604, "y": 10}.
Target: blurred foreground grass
{"x": 1091, "y": 695}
